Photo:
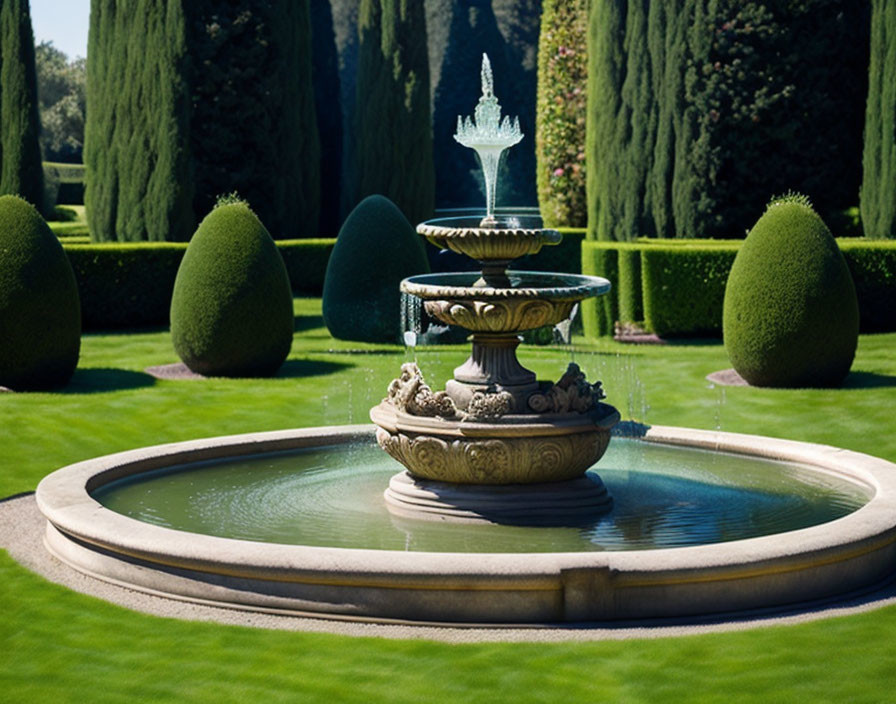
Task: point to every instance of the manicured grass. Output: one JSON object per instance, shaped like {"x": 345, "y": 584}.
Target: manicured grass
{"x": 60, "y": 646}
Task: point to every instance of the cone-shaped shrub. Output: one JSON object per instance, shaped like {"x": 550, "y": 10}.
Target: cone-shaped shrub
{"x": 790, "y": 317}
{"x": 376, "y": 249}
{"x": 231, "y": 311}
{"x": 40, "y": 314}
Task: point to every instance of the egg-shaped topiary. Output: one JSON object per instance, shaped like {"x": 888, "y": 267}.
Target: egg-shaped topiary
{"x": 40, "y": 312}
{"x": 791, "y": 317}
{"x": 231, "y": 310}
{"x": 376, "y": 249}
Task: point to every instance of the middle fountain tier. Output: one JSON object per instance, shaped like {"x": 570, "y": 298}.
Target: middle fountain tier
{"x": 497, "y": 444}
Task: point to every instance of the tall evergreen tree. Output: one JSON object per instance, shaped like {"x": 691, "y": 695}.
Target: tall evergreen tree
{"x": 606, "y": 72}
{"x": 328, "y": 109}
{"x": 392, "y": 107}
{"x": 139, "y": 183}
{"x": 190, "y": 100}
{"x": 21, "y": 172}
{"x": 253, "y": 126}
{"x": 878, "y": 195}
{"x": 700, "y": 109}
{"x": 559, "y": 119}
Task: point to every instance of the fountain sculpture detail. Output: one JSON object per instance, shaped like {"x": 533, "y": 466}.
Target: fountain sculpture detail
{"x": 496, "y": 444}
{"x": 489, "y": 136}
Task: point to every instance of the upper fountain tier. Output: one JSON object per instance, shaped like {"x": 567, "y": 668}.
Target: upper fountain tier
{"x": 509, "y": 238}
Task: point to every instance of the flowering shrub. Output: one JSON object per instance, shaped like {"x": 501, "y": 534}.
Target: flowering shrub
{"x": 560, "y": 113}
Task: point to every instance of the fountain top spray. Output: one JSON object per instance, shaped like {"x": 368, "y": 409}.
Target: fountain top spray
{"x": 489, "y": 136}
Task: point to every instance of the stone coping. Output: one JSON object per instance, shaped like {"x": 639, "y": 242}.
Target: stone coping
{"x": 532, "y": 285}
{"x": 853, "y": 552}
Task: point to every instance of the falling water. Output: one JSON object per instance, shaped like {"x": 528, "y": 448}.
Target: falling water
{"x": 411, "y": 324}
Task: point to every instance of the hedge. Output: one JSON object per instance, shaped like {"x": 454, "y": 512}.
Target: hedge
{"x": 682, "y": 284}
{"x": 872, "y": 264}
{"x": 684, "y": 288}
{"x": 125, "y": 285}
{"x": 69, "y": 180}
{"x": 600, "y": 314}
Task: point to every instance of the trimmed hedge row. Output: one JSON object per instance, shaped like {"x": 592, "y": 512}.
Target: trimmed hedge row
{"x": 681, "y": 284}
{"x": 126, "y": 285}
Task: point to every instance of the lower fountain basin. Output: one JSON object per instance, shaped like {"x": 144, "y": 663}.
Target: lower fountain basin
{"x": 521, "y": 449}
{"x": 435, "y": 573}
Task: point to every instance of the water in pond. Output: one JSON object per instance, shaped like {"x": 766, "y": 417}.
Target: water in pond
{"x": 664, "y": 497}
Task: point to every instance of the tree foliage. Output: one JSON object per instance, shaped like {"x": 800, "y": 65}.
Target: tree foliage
{"x": 62, "y": 99}
{"x": 560, "y": 114}
{"x": 392, "y": 107}
{"x": 21, "y": 172}
{"x": 730, "y": 102}
{"x": 190, "y": 100}
{"x": 878, "y": 197}
{"x": 139, "y": 176}
{"x": 253, "y": 127}
{"x": 328, "y": 110}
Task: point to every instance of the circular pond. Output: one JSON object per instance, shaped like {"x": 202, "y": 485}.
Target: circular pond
{"x": 704, "y": 523}
{"x": 333, "y": 497}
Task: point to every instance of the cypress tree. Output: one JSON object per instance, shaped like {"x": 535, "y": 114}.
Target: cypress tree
{"x": 253, "y": 126}
{"x": 392, "y": 107}
{"x": 328, "y": 110}
{"x": 560, "y": 127}
{"x": 22, "y": 171}
{"x": 700, "y": 109}
{"x": 190, "y": 100}
{"x": 139, "y": 184}
{"x": 606, "y": 66}
{"x": 878, "y": 194}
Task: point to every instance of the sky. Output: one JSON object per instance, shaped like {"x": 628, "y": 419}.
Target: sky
{"x": 63, "y": 22}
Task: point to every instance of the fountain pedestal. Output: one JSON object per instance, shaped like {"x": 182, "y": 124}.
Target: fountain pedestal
{"x": 496, "y": 444}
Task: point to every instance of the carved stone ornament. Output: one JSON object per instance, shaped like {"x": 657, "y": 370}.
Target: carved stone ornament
{"x": 410, "y": 394}
{"x": 510, "y": 315}
{"x": 572, "y": 393}
{"x": 510, "y": 460}
{"x": 488, "y": 405}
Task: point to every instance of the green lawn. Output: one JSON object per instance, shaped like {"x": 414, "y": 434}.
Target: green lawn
{"x": 60, "y": 646}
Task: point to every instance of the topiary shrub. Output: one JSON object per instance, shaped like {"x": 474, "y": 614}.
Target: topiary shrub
{"x": 231, "y": 309}
{"x": 40, "y": 314}
{"x": 790, "y": 316}
{"x": 376, "y": 249}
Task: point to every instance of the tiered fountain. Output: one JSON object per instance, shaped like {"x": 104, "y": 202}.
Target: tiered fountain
{"x": 496, "y": 444}
{"x": 294, "y": 521}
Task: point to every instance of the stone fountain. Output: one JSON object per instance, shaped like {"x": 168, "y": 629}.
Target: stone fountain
{"x": 497, "y": 444}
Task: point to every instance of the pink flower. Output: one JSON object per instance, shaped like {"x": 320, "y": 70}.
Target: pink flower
{"x": 558, "y": 172}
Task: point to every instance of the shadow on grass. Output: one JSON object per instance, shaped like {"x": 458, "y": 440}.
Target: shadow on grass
{"x": 104, "y": 380}
{"x": 693, "y": 341}
{"x": 295, "y": 368}
{"x": 869, "y": 380}
{"x": 302, "y": 323}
